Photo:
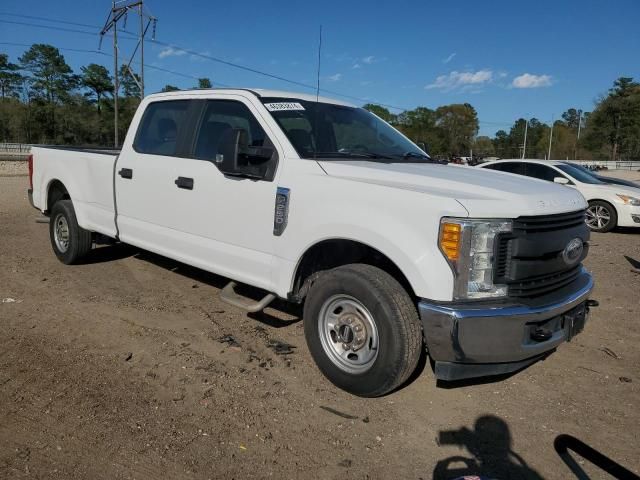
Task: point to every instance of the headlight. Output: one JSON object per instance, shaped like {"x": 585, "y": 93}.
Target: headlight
{"x": 629, "y": 200}
{"x": 468, "y": 246}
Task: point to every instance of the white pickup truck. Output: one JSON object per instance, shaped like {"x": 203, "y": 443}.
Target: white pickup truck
{"x": 319, "y": 202}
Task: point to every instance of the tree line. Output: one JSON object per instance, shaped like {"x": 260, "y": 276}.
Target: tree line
{"x": 610, "y": 132}
{"x": 42, "y": 100}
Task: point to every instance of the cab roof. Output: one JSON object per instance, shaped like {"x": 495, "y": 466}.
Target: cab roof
{"x": 528, "y": 160}
{"x": 259, "y": 92}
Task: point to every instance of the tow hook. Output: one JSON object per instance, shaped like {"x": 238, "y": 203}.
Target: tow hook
{"x": 592, "y": 303}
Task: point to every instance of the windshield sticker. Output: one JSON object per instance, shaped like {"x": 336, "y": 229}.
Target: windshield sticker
{"x": 279, "y": 107}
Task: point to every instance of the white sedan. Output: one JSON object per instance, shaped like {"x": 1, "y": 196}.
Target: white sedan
{"x": 609, "y": 205}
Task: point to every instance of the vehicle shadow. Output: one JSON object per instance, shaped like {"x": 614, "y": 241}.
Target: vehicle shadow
{"x": 489, "y": 445}
{"x": 627, "y": 230}
{"x": 109, "y": 253}
{"x": 469, "y": 382}
{"x": 117, "y": 251}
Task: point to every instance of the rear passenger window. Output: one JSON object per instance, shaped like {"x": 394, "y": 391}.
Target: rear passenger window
{"x": 537, "y": 170}
{"x": 510, "y": 167}
{"x": 161, "y": 123}
{"x": 220, "y": 116}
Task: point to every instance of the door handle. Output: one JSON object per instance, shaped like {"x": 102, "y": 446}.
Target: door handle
{"x": 184, "y": 182}
{"x": 126, "y": 173}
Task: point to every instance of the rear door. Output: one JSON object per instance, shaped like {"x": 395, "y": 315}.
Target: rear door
{"x": 145, "y": 175}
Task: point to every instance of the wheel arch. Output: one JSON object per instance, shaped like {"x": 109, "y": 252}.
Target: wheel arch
{"x": 56, "y": 190}
{"x": 334, "y": 252}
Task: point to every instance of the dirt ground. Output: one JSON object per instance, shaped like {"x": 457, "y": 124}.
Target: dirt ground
{"x": 119, "y": 368}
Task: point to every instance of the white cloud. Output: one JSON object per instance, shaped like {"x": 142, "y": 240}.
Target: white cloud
{"x": 369, "y": 60}
{"x": 449, "y": 58}
{"x": 527, "y": 80}
{"x": 335, "y": 78}
{"x": 457, "y": 79}
{"x": 355, "y": 66}
{"x": 171, "y": 52}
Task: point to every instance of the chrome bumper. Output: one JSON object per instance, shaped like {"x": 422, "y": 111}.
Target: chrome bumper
{"x": 467, "y": 340}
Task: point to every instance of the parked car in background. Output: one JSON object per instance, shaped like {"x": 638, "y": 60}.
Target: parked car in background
{"x": 610, "y": 205}
{"x": 602, "y": 178}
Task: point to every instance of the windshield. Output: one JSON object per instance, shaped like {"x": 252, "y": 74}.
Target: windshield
{"x": 323, "y": 130}
{"x": 579, "y": 174}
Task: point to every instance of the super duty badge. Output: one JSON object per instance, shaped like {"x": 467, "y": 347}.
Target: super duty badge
{"x": 281, "y": 212}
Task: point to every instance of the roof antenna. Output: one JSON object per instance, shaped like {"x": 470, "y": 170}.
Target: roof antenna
{"x": 319, "y": 52}
{"x": 315, "y": 149}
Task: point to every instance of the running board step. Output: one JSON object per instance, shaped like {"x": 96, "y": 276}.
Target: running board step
{"x": 228, "y": 295}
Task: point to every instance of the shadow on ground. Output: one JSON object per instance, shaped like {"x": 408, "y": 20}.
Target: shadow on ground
{"x": 119, "y": 251}
{"x": 490, "y": 453}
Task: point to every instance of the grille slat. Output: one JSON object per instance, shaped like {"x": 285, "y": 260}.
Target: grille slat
{"x": 549, "y": 222}
{"x": 510, "y": 265}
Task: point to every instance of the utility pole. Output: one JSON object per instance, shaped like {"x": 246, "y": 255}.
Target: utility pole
{"x": 550, "y": 139}
{"x": 119, "y": 9}
{"x": 575, "y": 153}
{"x": 116, "y": 83}
{"x": 524, "y": 148}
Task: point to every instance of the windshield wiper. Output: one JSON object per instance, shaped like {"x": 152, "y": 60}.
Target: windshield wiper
{"x": 351, "y": 154}
{"x": 416, "y": 155}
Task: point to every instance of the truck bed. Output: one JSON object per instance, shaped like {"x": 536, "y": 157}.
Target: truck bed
{"x": 86, "y": 174}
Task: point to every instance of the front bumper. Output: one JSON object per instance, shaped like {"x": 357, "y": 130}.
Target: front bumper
{"x": 628, "y": 216}
{"x": 467, "y": 340}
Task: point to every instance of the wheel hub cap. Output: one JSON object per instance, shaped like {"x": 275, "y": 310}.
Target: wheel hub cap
{"x": 598, "y": 217}
{"x": 348, "y": 334}
{"x": 61, "y": 233}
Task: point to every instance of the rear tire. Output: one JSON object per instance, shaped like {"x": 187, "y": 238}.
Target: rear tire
{"x": 69, "y": 240}
{"x": 601, "y": 216}
{"x": 368, "y": 311}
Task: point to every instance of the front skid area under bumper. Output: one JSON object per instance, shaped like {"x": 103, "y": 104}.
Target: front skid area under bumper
{"x": 467, "y": 340}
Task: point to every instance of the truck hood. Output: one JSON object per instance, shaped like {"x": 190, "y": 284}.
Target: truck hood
{"x": 483, "y": 193}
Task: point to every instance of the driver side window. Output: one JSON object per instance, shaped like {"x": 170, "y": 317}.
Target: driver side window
{"x": 220, "y": 117}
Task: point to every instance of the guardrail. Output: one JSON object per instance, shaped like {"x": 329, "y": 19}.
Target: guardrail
{"x": 15, "y": 148}
{"x": 611, "y": 165}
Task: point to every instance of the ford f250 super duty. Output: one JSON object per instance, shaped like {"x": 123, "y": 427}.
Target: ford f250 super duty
{"x": 319, "y": 202}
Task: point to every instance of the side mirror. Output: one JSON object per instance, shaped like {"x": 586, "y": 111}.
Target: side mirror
{"x": 236, "y": 157}
{"x": 561, "y": 180}
{"x": 423, "y": 147}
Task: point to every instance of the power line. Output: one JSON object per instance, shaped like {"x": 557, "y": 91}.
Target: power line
{"x": 44, "y": 19}
{"x": 202, "y": 55}
{"x": 132, "y": 36}
{"x": 98, "y": 52}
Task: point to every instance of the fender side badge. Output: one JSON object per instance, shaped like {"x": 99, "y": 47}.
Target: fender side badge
{"x": 281, "y": 212}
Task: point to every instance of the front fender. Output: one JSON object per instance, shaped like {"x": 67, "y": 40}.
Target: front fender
{"x": 403, "y": 225}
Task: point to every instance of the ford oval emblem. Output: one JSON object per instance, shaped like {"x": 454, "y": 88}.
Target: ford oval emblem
{"x": 573, "y": 251}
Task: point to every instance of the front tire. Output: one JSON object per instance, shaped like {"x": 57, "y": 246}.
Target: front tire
{"x": 69, "y": 240}
{"x": 362, "y": 329}
{"x": 601, "y": 216}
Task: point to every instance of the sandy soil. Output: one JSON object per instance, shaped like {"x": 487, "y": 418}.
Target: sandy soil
{"x": 118, "y": 369}
{"x": 11, "y": 168}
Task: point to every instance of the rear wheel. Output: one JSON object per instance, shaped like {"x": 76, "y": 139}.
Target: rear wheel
{"x": 362, "y": 329}
{"x": 601, "y": 216}
{"x": 69, "y": 240}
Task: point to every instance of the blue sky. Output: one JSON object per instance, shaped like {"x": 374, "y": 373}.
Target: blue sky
{"x": 508, "y": 59}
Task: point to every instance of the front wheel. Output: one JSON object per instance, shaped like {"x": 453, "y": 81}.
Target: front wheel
{"x": 601, "y": 216}
{"x": 69, "y": 240}
{"x": 362, "y": 329}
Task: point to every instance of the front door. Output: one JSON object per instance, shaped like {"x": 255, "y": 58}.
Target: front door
{"x": 179, "y": 204}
